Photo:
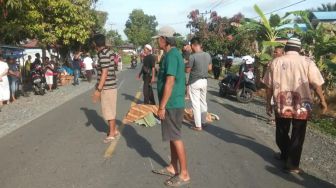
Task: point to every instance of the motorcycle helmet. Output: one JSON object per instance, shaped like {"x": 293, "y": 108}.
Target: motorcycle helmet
{"x": 248, "y": 59}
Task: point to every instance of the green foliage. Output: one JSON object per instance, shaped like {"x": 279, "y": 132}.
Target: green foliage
{"x": 114, "y": 37}
{"x": 62, "y": 22}
{"x": 274, "y": 20}
{"x": 100, "y": 18}
{"x": 126, "y": 58}
{"x": 221, "y": 35}
{"x": 140, "y": 27}
{"x": 326, "y": 125}
{"x": 326, "y": 7}
{"x": 271, "y": 33}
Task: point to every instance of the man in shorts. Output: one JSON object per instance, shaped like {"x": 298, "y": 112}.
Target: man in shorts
{"x": 171, "y": 89}
{"x": 106, "y": 87}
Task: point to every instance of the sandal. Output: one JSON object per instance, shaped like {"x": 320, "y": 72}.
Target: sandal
{"x": 109, "y": 139}
{"x": 271, "y": 122}
{"x": 163, "y": 172}
{"x": 196, "y": 128}
{"x": 294, "y": 170}
{"x": 117, "y": 134}
{"x": 176, "y": 181}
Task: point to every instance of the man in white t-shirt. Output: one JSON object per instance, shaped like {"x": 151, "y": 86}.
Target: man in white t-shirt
{"x": 88, "y": 67}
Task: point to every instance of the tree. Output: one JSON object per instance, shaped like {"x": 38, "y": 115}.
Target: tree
{"x": 221, "y": 35}
{"x": 114, "y": 37}
{"x": 140, "y": 27}
{"x": 100, "y": 18}
{"x": 65, "y": 23}
{"x": 326, "y": 7}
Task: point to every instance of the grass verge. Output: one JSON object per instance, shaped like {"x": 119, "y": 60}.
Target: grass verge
{"x": 325, "y": 125}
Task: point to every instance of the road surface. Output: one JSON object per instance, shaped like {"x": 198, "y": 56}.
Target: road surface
{"x": 64, "y": 149}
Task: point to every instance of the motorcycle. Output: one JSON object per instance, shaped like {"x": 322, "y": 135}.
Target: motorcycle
{"x": 38, "y": 80}
{"x": 133, "y": 64}
{"x": 243, "y": 85}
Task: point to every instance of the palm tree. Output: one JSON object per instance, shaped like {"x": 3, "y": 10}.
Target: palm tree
{"x": 326, "y": 7}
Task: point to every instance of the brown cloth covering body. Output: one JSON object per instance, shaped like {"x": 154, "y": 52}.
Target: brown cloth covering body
{"x": 140, "y": 111}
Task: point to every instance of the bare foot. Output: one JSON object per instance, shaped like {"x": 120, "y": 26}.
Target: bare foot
{"x": 171, "y": 169}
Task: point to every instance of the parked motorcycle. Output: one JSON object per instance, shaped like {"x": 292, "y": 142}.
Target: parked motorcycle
{"x": 38, "y": 80}
{"x": 242, "y": 85}
{"x": 134, "y": 61}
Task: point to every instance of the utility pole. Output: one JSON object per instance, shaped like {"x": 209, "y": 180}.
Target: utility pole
{"x": 205, "y": 13}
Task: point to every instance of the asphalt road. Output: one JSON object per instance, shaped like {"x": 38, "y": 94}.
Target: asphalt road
{"x": 65, "y": 149}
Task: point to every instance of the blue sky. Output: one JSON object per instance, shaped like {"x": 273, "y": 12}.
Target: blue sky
{"x": 174, "y": 12}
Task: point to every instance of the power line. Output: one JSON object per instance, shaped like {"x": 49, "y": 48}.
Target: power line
{"x": 282, "y": 8}
{"x": 213, "y": 4}
{"x": 217, "y": 5}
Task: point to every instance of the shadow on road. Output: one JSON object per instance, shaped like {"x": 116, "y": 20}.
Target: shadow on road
{"x": 131, "y": 98}
{"x": 141, "y": 145}
{"x": 243, "y": 112}
{"x": 266, "y": 153}
{"x": 94, "y": 119}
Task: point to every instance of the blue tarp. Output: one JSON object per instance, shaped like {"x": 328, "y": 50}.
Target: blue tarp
{"x": 11, "y": 51}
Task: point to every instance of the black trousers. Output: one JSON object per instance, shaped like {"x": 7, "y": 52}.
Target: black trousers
{"x": 216, "y": 72}
{"x": 290, "y": 146}
{"x": 148, "y": 91}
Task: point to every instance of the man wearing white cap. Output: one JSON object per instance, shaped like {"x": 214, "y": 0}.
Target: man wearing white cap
{"x": 171, "y": 89}
{"x": 289, "y": 79}
{"x": 148, "y": 75}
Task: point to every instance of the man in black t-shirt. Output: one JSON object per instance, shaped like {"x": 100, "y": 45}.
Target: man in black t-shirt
{"x": 216, "y": 66}
{"x": 148, "y": 75}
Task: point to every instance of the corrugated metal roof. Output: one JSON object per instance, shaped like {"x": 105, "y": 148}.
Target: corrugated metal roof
{"x": 331, "y": 15}
{"x": 303, "y": 27}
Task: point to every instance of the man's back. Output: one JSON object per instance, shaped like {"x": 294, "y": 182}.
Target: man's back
{"x": 88, "y": 63}
{"x": 290, "y": 76}
{"x": 199, "y": 63}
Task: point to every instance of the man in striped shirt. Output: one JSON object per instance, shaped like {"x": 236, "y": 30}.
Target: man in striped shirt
{"x": 106, "y": 87}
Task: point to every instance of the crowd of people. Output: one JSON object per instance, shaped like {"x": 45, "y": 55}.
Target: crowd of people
{"x": 181, "y": 76}
{"x": 17, "y": 80}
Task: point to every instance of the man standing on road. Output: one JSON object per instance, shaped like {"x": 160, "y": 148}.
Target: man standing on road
{"x": 148, "y": 75}
{"x": 76, "y": 67}
{"x": 4, "y": 84}
{"x": 171, "y": 88}
{"x": 88, "y": 64}
{"x": 216, "y": 66}
{"x": 198, "y": 66}
{"x": 186, "y": 52}
{"x": 289, "y": 79}
{"x": 27, "y": 69}
{"x": 278, "y": 52}
{"x": 106, "y": 87}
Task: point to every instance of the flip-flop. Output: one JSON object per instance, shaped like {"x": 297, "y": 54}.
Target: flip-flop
{"x": 176, "y": 181}
{"x": 117, "y": 135}
{"x": 294, "y": 170}
{"x": 109, "y": 139}
{"x": 196, "y": 128}
{"x": 163, "y": 172}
